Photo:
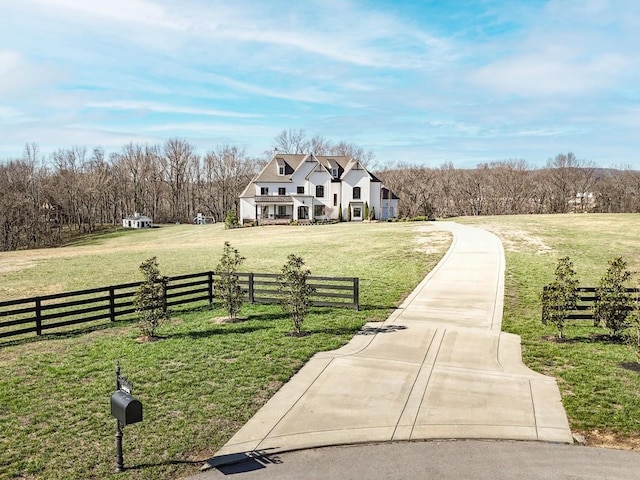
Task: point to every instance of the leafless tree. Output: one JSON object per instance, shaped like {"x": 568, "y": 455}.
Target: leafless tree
{"x": 226, "y": 172}
{"x": 353, "y": 151}
{"x": 320, "y": 145}
{"x": 177, "y": 157}
{"x": 415, "y": 185}
{"x": 509, "y": 186}
{"x": 561, "y": 176}
{"x": 292, "y": 141}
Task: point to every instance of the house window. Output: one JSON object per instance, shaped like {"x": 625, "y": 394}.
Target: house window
{"x": 282, "y": 190}
{"x": 356, "y": 193}
{"x": 264, "y": 190}
{"x": 281, "y": 170}
{"x": 318, "y": 210}
{"x": 320, "y": 191}
{"x": 334, "y": 172}
{"x": 335, "y": 199}
{"x": 300, "y": 190}
{"x": 357, "y": 212}
{"x": 282, "y": 211}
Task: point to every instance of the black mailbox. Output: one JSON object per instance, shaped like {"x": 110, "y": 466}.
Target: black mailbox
{"x": 126, "y": 408}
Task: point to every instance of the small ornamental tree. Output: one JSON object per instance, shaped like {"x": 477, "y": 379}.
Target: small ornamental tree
{"x": 149, "y": 301}
{"x": 366, "y": 211}
{"x": 561, "y": 296}
{"x": 231, "y": 219}
{"x": 296, "y": 290}
{"x": 613, "y": 302}
{"x": 340, "y": 217}
{"x": 228, "y": 283}
{"x": 348, "y": 214}
{"x": 373, "y": 213}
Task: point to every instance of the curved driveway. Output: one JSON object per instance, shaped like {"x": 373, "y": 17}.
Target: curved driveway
{"x": 439, "y": 367}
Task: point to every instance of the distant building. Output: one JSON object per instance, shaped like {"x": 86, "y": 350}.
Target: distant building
{"x": 201, "y": 219}
{"x": 307, "y": 187}
{"x": 137, "y": 221}
{"x": 583, "y": 202}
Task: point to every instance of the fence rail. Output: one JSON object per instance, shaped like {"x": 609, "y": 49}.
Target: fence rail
{"x": 95, "y": 305}
{"x": 587, "y": 297}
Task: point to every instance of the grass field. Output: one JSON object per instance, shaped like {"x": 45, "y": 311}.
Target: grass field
{"x": 203, "y": 380}
{"x": 599, "y": 379}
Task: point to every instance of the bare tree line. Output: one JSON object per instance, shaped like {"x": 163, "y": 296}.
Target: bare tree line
{"x": 77, "y": 191}
{"x": 43, "y": 201}
{"x": 566, "y": 184}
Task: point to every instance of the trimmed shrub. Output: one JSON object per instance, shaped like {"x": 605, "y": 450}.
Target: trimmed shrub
{"x": 228, "y": 284}
{"x": 561, "y": 296}
{"x": 613, "y": 303}
{"x": 293, "y": 283}
{"x": 231, "y": 219}
{"x": 150, "y": 302}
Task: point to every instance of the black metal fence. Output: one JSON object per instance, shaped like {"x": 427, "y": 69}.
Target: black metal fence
{"x": 95, "y": 305}
{"x": 587, "y": 297}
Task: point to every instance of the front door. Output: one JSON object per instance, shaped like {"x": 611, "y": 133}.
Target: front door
{"x": 303, "y": 213}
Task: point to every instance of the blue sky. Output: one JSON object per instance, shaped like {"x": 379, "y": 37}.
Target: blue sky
{"x": 422, "y": 82}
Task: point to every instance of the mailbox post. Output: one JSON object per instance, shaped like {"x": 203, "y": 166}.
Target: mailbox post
{"x": 126, "y": 409}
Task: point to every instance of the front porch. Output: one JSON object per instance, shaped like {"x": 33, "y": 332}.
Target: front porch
{"x": 283, "y": 209}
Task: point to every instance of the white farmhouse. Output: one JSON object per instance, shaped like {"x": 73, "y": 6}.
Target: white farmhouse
{"x": 308, "y": 187}
{"x": 137, "y": 221}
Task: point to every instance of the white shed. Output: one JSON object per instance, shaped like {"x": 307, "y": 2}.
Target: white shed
{"x": 137, "y": 221}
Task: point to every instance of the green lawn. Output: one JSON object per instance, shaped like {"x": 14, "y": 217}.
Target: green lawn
{"x": 599, "y": 381}
{"x": 203, "y": 380}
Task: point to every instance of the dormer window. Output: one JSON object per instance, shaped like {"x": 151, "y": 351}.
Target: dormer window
{"x": 334, "y": 172}
{"x": 280, "y": 169}
{"x": 281, "y": 166}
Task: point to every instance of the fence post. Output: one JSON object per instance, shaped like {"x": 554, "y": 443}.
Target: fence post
{"x": 356, "y": 293}
{"x": 210, "y": 286}
{"x": 112, "y": 303}
{"x": 251, "y": 289}
{"x": 165, "y": 281}
{"x": 545, "y": 289}
{"x": 38, "y": 316}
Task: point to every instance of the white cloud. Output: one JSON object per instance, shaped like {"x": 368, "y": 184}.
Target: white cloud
{"x": 166, "y": 108}
{"x": 118, "y": 11}
{"x": 18, "y": 74}
{"x": 547, "y": 74}
{"x": 309, "y": 94}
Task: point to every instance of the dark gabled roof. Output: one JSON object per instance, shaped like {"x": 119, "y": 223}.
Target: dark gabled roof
{"x": 293, "y": 162}
{"x": 388, "y": 194}
{"x": 374, "y": 178}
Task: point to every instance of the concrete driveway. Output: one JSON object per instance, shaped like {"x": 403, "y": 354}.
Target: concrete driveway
{"x": 438, "y": 368}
